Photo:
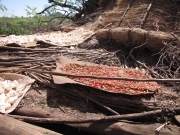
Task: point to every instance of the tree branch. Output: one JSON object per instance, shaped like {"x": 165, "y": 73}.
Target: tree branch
{"x": 58, "y": 17}
{"x": 80, "y": 120}
{"x": 46, "y": 9}
{"x": 64, "y": 17}
{"x": 67, "y": 16}
{"x": 65, "y": 5}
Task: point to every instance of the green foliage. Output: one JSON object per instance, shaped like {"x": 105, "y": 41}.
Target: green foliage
{"x": 35, "y": 22}
{"x": 17, "y": 26}
{"x": 68, "y": 7}
{"x": 31, "y": 11}
{"x": 2, "y": 7}
{"x": 25, "y": 25}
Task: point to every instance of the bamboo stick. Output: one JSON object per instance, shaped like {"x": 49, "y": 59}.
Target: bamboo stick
{"x": 146, "y": 14}
{"x": 93, "y": 77}
{"x": 124, "y": 14}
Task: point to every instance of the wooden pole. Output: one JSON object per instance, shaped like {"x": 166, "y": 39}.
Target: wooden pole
{"x": 79, "y": 120}
{"x": 89, "y": 76}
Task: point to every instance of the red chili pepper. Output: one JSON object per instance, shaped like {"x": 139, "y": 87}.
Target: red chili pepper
{"x": 129, "y": 87}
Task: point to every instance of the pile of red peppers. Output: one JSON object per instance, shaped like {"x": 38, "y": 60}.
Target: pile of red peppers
{"x": 116, "y": 86}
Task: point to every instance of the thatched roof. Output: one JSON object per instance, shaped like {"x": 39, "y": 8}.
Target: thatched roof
{"x": 156, "y": 15}
{"x": 153, "y": 22}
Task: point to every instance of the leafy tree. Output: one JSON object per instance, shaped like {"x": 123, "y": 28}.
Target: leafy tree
{"x": 71, "y": 9}
{"x": 56, "y": 12}
{"x": 31, "y": 11}
{"x": 14, "y": 25}
{"x": 25, "y": 25}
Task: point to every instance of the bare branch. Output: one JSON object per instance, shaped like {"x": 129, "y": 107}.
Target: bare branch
{"x": 46, "y": 9}
{"x": 143, "y": 64}
{"x": 79, "y": 120}
{"x": 65, "y": 2}
{"x": 65, "y": 5}
{"x": 66, "y": 17}
{"x": 63, "y": 18}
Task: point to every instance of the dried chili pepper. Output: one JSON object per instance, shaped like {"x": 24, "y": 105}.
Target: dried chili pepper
{"x": 117, "y": 86}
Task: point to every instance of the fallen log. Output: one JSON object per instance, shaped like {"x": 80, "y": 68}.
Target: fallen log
{"x": 10, "y": 126}
{"x": 154, "y": 39}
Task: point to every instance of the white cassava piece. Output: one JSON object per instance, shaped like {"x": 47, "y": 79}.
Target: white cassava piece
{"x": 59, "y": 38}
{"x": 12, "y": 89}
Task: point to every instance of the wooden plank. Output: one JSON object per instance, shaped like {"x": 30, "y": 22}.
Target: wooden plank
{"x": 10, "y": 126}
{"x": 177, "y": 118}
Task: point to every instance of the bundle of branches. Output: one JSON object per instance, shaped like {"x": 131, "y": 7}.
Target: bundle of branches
{"x": 98, "y": 56}
{"x": 15, "y": 56}
{"x": 26, "y": 57}
{"x": 168, "y": 64}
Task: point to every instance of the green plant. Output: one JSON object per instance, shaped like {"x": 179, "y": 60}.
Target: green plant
{"x": 31, "y": 11}
{"x": 2, "y": 7}
{"x": 33, "y": 23}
